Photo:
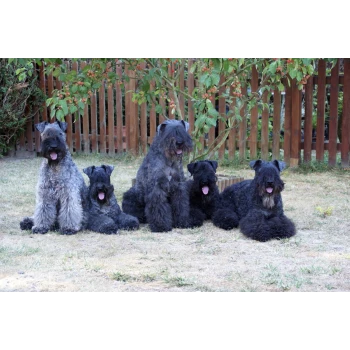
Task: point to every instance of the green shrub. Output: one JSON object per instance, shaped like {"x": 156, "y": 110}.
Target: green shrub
{"x": 18, "y": 102}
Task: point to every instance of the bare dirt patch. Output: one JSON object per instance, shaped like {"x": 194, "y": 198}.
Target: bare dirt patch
{"x": 204, "y": 259}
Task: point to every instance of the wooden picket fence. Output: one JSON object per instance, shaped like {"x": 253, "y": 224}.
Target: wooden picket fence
{"x": 112, "y": 123}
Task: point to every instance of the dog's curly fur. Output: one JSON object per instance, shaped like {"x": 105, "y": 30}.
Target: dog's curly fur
{"x": 256, "y": 205}
{"x": 204, "y": 193}
{"x": 105, "y": 215}
{"x": 160, "y": 196}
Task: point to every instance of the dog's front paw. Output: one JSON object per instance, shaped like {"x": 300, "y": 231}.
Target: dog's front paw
{"x": 26, "y": 224}
{"x": 40, "y": 229}
{"x": 68, "y": 231}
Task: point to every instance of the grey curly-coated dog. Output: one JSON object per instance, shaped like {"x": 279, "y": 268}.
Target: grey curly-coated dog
{"x": 256, "y": 205}
{"x": 203, "y": 191}
{"x": 160, "y": 196}
{"x": 105, "y": 215}
{"x": 61, "y": 190}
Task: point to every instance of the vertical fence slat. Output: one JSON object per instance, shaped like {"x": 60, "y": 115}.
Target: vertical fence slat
{"x": 276, "y": 124}
{"x": 295, "y": 127}
{"x": 110, "y": 106}
{"x": 253, "y": 144}
{"x": 102, "y": 117}
{"x": 265, "y": 129}
{"x": 211, "y": 133}
{"x": 143, "y": 127}
{"x": 119, "y": 108}
{"x": 222, "y": 111}
{"x": 309, "y": 87}
{"x": 171, "y": 68}
{"x": 50, "y": 88}
{"x": 243, "y": 130}
{"x": 76, "y": 116}
{"x": 86, "y": 140}
{"x": 43, "y": 89}
{"x": 152, "y": 119}
{"x": 36, "y": 121}
{"x": 333, "y": 116}
{"x": 69, "y": 131}
{"x": 94, "y": 130}
{"x": 345, "y": 142}
{"x": 29, "y": 133}
{"x": 190, "y": 85}
{"x": 233, "y": 131}
{"x": 162, "y": 104}
{"x": 182, "y": 88}
{"x": 321, "y": 98}
{"x": 287, "y": 122}
{"x": 133, "y": 122}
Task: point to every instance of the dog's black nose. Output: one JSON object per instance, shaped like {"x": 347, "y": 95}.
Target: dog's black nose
{"x": 179, "y": 144}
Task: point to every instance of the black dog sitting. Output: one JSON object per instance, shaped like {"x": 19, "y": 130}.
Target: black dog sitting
{"x": 105, "y": 215}
{"x": 204, "y": 192}
{"x": 256, "y": 205}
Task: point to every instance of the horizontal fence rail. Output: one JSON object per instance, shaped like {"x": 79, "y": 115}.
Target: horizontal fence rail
{"x": 301, "y": 124}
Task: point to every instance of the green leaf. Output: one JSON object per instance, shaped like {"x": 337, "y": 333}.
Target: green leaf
{"x": 211, "y": 121}
{"x": 299, "y": 76}
{"x": 203, "y": 78}
{"x": 240, "y": 62}
{"x": 56, "y": 72}
{"x": 64, "y": 106}
{"x": 272, "y": 68}
{"x": 60, "y": 115}
{"x": 280, "y": 87}
{"x": 213, "y": 112}
{"x": 22, "y": 76}
{"x": 53, "y": 111}
{"x": 81, "y": 105}
{"x": 215, "y": 78}
{"x": 74, "y": 89}
{"x": 199, "y": 145}
{"x": 293, "y": 73}
{"x": 159, "y": 109}
{"x": 72, "y": 109}
{"x": 217, "y": 63}
{"x": 208, "y": 81}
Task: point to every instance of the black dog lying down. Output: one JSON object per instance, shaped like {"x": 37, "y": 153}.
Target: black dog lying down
{"x": 256, "y": 205}
{"x": 105, "y": 215}
{"x": 203, "y": 190}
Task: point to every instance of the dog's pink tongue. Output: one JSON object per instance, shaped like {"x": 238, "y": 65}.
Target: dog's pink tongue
{"x": 101, "y": 196}
{"x": 179, "y": 151}
{"x": 53, "y": 155}
{"x": 269, "y": 190}
{"x": 205, "y": 189}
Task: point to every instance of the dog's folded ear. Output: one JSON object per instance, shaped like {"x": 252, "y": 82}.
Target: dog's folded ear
{"x": 214, "y": 164}
{"x": 88, "y": 171}
{"x": 191, "y": 167}
{"x": 186, "y": 125}
{"x": 41, "y": 126}
{"x": 161, "y": 128}
{"x": 108, "y": 169}
{"x": 255, "y": 164}
{"x": 279, "y": 165}
{"x": 62, "y": 125}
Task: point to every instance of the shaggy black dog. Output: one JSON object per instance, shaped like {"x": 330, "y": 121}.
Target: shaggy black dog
{"x": 160, "y": 196}
{"x": 105, "y": 215}
{"x": 256, "y": 205}
{"x": 204, "y": 192}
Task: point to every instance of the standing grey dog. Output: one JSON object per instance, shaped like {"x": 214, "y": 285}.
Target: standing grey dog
{"x": 105, "y": 215}
{"x": 61, "y": 190}
{"x": 256, "y": 205}
{"x": 160, "y": 195}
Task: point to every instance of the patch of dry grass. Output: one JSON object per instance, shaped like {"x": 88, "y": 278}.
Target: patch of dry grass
{"x": 204, "y": 259}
